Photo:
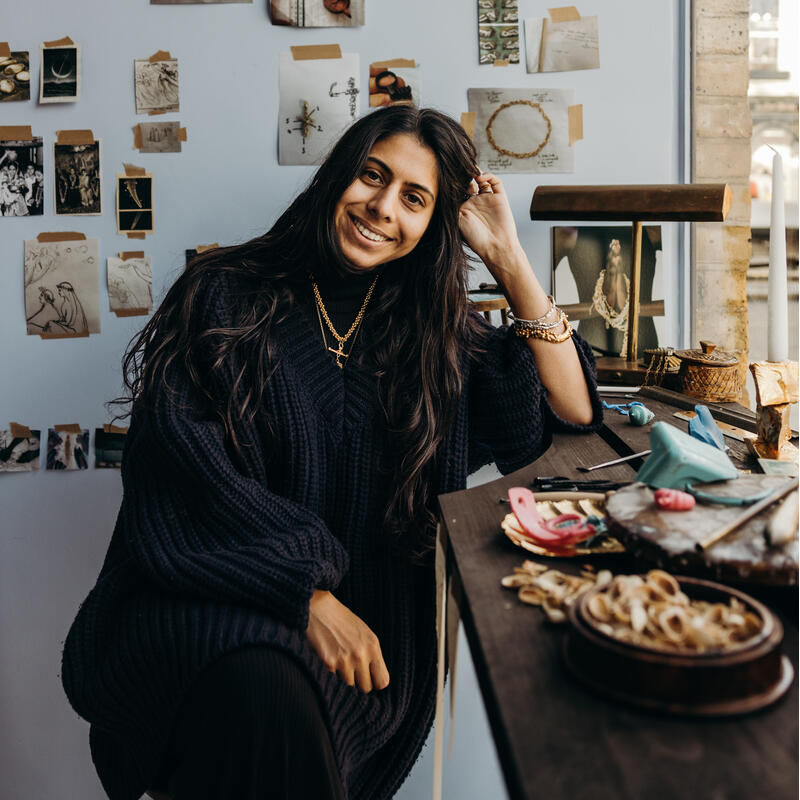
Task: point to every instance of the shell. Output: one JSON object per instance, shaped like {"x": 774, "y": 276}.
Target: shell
{"x": 640, "y": 415}
{"x": 673, "y": 499}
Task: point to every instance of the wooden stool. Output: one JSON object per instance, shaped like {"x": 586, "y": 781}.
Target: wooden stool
{"x": 485, "y": 301}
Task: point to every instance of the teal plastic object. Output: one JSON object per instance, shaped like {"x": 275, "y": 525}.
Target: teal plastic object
{"x": 704, "y": 428}
{"x": 677, "y": 460}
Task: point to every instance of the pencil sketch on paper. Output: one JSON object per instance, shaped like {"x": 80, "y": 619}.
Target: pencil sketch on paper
{"x": 318, "y": 100}
{"x": 60, "y": 75}
{"x": 67, "y": 450}
{"x": 130, "y": 283}
{"x": 156, "y": 84}
{"x": 77, "y": 178}
{"x": 317, "y": 13}
{"x": 19, "y": 453}
{"x": 522, "y": 130}
{"x": 62, "y": 294}
{"x": 160, "y": 137}
{"x": 561, "y": 46}
{"x": 21, "y": 178}
{"x": 15, "y": 77}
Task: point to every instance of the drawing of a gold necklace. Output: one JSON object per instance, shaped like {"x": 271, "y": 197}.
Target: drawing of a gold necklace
{"x": 511, "y": 153}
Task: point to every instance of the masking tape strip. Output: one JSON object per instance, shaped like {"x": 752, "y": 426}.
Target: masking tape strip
{"x": 65, "y": 42}
{"x": 126, "y": 254}
{"x": 133, "y": 171}
{"x": 564, "y": 14}
{"x": 314, "y": 51}
{"x": 18, "y": 431}
{"x": 75, "y": 137}
{"x": 393, "y": 62}
{"x": 160, "y": 55}
{"x": 131, "y": 312}
{"x": 500, "y": 62}
{"x": 137, "y": 137}
{"x": 468, "y": 122}
{"x": 5, "y": 50}
{"x": 136, "y": 235}
{"x": 73, "y": 427}
{"x": 9, "y": 133}
{"x": 109, "y": 428}
{"x": 60, "y": 236}
{"x": 575, "y": 123}
{"x": 84, "y": 334}
{"x": 181, "y": 134}
{"x": 204, "y": 248}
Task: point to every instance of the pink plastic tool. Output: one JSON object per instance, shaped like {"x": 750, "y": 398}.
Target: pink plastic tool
{"x": 673, "y": 499}
{"x": 559, "y": 532}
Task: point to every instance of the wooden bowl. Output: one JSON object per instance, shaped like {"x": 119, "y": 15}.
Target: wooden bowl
{"x": 738, "y": 681}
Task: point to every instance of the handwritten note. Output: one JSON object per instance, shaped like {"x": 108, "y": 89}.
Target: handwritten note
{"x": 561, "y": 46}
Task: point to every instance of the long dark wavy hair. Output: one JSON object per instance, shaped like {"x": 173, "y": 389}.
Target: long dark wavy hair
{"x": 416, "y": 331}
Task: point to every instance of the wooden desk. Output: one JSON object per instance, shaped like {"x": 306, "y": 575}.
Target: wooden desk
{"x": 554, "y": 738}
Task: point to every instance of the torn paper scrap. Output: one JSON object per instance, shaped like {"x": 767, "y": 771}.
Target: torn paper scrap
{"x": 561, "y": 46}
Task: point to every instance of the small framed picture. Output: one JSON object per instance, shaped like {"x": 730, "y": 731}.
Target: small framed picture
{"x": 60, "y": 76}
{"x": 15, "y": 76}
{"x": 21, "y": 177}
{"x": 135, "y": 203}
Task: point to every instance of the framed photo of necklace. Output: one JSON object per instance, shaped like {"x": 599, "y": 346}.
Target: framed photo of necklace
{"x": 590, "y": 282}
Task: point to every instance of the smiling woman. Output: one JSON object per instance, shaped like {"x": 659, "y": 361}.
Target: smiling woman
{"x": 263, "y": 624}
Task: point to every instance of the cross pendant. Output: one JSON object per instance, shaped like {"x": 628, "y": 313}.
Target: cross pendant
{"x": 339, "y": 354}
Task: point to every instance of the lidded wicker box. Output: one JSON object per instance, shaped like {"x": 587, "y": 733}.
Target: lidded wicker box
{"x": 709, "y": 374}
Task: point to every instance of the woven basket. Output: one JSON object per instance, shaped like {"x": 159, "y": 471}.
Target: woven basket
{"x": 709, "y": 374}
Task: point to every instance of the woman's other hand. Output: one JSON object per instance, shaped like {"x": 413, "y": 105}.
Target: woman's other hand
{"x": 488, "y": 226}
{"x": 345, "y": 643}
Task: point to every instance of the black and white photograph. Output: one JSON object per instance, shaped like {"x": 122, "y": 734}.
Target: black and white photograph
{"x": 160, "y": 137}
{"x": 591, "y": 265}
{"x": 62, "y": 287}
{"x": 19, "y": 453}
{"x": 21, "y": 177}
{"x": 156, "y": 85}
{"x": 108, "y": 449}
{"x": 67, "y": 450}
{"x": 135, "y": 204}
{"x": 15, "y": 77}
{"x": 77, "y": 178}
{"x": 60, "y": 76}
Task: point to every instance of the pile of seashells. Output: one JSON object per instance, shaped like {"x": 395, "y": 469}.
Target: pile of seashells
{"x": 552, "y": 589}
{"x": 654, "y": 612}
{"x": 650, "y": 611}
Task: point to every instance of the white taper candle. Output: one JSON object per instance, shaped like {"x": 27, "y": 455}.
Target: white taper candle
{"x": 777, "y": 296}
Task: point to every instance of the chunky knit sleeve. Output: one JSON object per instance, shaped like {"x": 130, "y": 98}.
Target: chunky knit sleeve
{"x": 511, "y": 419}
{"x": 196, "y": 525}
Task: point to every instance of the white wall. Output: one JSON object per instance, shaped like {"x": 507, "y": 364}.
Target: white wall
{"x": 226, "y": 186}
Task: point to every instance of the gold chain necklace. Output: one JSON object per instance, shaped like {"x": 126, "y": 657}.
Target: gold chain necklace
{"x": 323, "y": 314}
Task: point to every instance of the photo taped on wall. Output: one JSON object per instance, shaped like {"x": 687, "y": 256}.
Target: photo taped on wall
{"x": 156, "y": 85}
{"x": 77, "y": 178}
{"x": 60, "y": 75}
{"x": 160, "y": 137}
{"x": 135, "y": 203}
{"x": 15, "y": 76}
{"x": 19, "y": 453}
{"x": 21, "y": 177}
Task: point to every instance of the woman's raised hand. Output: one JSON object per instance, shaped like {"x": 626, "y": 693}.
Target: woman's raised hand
{"x": 487, "y": 224}
{"x": 345, "y": 643}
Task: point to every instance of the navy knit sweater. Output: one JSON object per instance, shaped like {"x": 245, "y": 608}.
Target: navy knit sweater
{"x": 207, "y": 557}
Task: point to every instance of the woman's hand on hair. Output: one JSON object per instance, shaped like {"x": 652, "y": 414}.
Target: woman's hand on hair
{"x": 488, "y": 227}
{"x": 345, "y": 643}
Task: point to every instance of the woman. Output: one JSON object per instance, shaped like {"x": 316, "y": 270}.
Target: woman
{"x": 263, "y": 625}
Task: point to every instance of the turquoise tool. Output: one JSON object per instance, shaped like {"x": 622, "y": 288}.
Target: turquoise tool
{"x": 704, "y": 428}
{"x": 678, "y": 460}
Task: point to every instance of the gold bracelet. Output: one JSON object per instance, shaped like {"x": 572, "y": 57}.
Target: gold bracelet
{"x": 547, "y": 335}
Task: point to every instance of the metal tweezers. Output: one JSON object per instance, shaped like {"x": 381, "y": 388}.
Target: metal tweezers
{"x": 560, "y": 483}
